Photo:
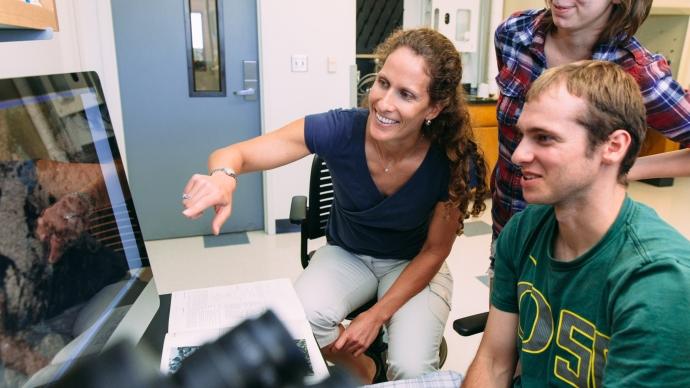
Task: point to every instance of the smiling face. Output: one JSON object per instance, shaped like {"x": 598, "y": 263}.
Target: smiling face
{"x": 590, "y": 16}
{"x": 558, "y": 165}
{"x": 399, "y": 101}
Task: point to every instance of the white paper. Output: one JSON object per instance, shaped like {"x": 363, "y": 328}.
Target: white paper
{"x": 202, "y": 315}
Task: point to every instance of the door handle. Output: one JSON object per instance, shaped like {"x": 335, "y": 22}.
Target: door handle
{"x": 244, "y": 92}
{"x": 250, "y": 81}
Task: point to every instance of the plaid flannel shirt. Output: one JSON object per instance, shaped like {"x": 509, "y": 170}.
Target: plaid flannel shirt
{"x": 520, "y": 55}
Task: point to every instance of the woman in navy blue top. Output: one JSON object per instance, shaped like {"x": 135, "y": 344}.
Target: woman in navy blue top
{"x": 404, "y": 173}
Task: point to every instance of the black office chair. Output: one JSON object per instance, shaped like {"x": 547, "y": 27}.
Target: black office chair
{"x": 312, "y": 215}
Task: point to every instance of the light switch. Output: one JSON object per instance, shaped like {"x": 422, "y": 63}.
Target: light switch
{"x": 299, "y": 63}
{"x": 332, "y": 65}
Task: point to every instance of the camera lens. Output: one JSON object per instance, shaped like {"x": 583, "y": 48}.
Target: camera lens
{"x": 257, "y": 353}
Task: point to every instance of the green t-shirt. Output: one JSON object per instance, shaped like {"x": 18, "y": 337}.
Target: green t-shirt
{"x": 619, "y": 315}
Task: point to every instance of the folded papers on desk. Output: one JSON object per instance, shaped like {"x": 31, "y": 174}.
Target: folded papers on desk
{"x": 202, "y": 315}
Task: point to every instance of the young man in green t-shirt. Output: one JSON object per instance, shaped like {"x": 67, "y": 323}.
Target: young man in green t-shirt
{"x": 591, "y": 288}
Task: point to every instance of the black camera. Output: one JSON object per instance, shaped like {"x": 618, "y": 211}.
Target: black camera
{"x": 258, "y": 353}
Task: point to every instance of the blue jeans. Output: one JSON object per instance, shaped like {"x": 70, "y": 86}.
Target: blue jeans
{"x": 337, "y": 282}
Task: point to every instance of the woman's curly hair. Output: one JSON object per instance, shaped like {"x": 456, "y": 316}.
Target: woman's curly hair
{"x": 450, "y": 130}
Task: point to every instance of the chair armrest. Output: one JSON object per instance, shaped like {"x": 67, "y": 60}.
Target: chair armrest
{"x": 298, "y": 209}
{"x": 470, "y": 325}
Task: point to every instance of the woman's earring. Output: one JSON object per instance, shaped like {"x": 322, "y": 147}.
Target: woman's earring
{"x": 428, "y": 122}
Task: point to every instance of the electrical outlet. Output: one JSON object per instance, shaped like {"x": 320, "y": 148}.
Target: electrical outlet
{"x": 299, "y": 63}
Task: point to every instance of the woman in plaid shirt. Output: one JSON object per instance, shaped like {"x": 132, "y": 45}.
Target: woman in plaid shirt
{"x": 531, "y": 41}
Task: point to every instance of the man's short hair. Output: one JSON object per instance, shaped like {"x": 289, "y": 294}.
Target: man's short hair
{"x": 613, "y": 101}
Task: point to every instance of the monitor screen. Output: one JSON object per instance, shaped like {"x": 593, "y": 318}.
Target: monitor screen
{"x": 73, "y": 265}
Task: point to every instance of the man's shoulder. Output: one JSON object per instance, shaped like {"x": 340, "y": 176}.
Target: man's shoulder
{"x": 653, "y": 236}
{"x": 645, "y": 220}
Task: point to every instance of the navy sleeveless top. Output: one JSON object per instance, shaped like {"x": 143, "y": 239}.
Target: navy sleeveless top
{"x": 362, "y": 220}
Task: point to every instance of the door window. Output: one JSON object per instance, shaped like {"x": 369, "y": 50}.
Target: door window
{"x": 204, "y": 35}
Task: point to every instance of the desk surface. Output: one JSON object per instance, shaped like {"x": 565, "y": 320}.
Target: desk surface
{"x": 153, "y": 337}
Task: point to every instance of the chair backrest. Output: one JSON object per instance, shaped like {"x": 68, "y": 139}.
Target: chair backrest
{"x": 319, "y": 204}
{"x": 320, "y": 198}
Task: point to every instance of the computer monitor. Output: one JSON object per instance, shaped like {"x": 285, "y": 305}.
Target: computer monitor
{"x": 74, "y": 273}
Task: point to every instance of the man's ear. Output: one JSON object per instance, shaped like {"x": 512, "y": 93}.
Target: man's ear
{"x": 615, "y": 148}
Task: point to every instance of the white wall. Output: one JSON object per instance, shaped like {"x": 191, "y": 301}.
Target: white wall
{"x": 84, "y": 42}
{"x": 318, "y": 29}
{"x": 495, "y": 18}
{"x": 412, "y": 14}
{"x": 511, "y": 6}
{"x": 59, "y": 54}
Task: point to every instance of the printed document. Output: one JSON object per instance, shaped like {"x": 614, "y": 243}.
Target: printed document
{"x": 202, "y": 315}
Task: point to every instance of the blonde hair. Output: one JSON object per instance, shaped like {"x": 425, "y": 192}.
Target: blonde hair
{"x": 613, "y": 101}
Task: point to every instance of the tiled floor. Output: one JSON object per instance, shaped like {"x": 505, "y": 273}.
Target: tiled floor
{"x": 186, "y": 263}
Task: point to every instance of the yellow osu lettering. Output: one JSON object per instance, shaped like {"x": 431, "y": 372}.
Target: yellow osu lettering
{"x": 541, "y": 332}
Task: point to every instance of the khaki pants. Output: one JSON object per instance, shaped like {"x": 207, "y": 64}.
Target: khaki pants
{"x": 337, "y": 282}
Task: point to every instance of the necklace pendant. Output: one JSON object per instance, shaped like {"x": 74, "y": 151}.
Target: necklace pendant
{"x": 387, "y": 169}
